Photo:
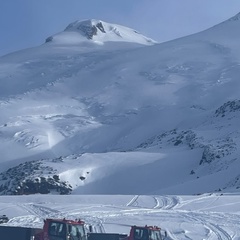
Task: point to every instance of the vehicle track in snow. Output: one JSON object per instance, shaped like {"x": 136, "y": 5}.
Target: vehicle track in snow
{"x": 37, "y": 214}
{"x": 158, "y": 202}
{"x": 200, "y": 198}
{"x": 213, "y": 228}
{"x": 41, "y": 211}
{"x": 165, "y": 206}
{"x": 133, "y": 202}
{"x": 166, "y": 202}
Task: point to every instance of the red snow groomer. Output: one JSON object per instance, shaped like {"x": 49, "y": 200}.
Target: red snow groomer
{"x": 146, "y": 233}
{"x": 62, "y": 229}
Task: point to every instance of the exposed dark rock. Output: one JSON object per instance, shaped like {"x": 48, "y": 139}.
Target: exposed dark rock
{"x": 226, "y": 108}
{"x": 211, "y": 152}
{"x": 82, "y": 178}
{"x": 49, "y": 39}
{"x": 88, "y": 31}
{"x": 31, "y": 178}
{"x": 100, "y": 27}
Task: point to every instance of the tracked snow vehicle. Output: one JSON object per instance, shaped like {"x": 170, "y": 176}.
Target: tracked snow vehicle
{"x": 62, "y": 229}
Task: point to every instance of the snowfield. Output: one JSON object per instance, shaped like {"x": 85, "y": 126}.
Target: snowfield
{"x": 207, "y": 216}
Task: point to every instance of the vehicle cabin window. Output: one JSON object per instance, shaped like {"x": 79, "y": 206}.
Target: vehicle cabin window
{"x": 155, "y": 235}
{"x": 72, "y": 229}
{"x": 76, "y": 231}
{"x": 141, "y": 234}
{"x": 57, "y": 229}
{"x": 81, "y": 230}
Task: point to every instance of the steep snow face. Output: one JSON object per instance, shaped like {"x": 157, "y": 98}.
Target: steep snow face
{"x": 225, "y": 34}
{"x": 98, "y": 32}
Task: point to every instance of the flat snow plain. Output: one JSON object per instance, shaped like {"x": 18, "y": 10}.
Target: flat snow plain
{"x": 206, "y": 216}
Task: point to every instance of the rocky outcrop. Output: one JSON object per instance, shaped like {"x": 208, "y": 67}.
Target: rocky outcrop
{"x": 228, "y": 107}
{"x": 31, "y": 178}
{"x": 212, "y": 150}
{"x": 87, "y": 28}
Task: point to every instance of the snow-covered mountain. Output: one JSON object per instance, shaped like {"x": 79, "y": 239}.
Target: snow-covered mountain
{"x": 100, "y": 108}
{"x": 98, "y": 32}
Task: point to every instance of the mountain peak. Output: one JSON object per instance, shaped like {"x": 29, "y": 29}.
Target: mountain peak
{"x": 88, "y": 28}
{"x": 99, "y": 32}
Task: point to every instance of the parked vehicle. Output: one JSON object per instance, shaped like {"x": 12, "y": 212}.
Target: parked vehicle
{"x": 62, "y": 229}
{"x": 17, "y": 233}
{"x": 53, "y": 229}
{"x": 3, "y": 219}
{"x": 146, "y": 233}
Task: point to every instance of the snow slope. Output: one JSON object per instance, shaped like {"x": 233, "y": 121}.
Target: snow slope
{"x": 140, "y": 117}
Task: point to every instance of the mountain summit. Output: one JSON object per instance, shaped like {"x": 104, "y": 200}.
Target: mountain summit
{"x": 99, "y": 32}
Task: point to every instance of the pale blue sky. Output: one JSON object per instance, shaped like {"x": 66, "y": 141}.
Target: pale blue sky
{"x": 27, "y": 23}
